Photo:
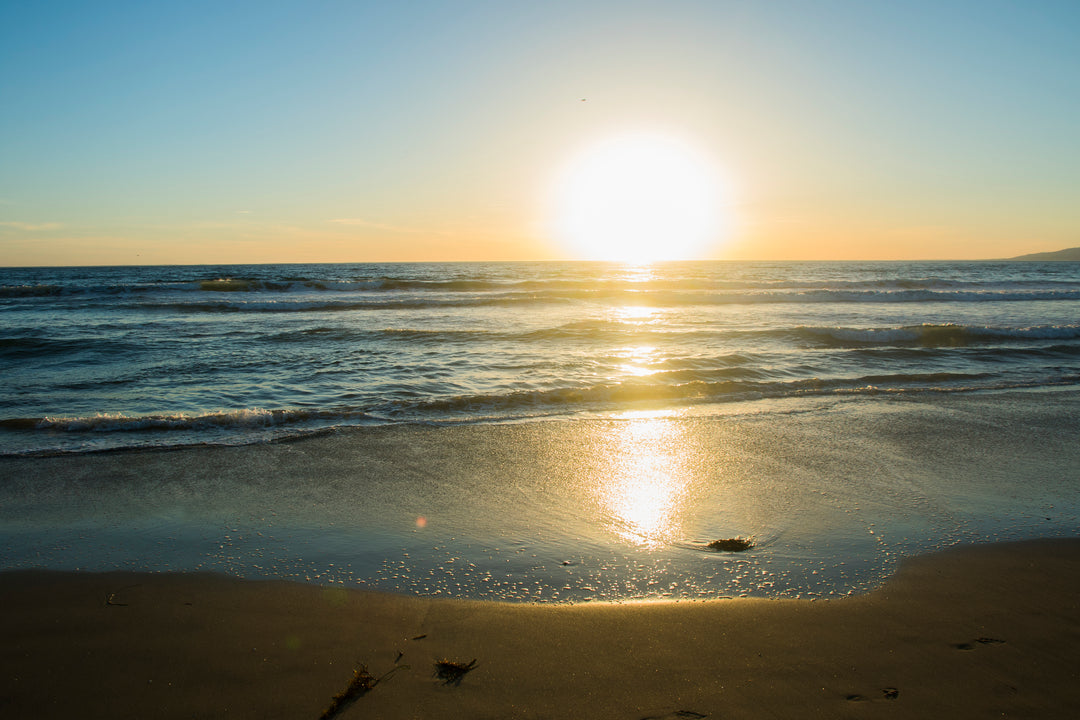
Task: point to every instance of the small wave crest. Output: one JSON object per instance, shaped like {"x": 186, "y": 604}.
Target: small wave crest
{"x": 17, "y": 291}
{"x": 933, "y": 335}
{"x": 656, "y": 291}
{"x": 120, "y": 422}
{"x": 228, "y": 285}
{"x": 715, "y": 390}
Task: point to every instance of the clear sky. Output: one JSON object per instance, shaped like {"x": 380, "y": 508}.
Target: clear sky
{"x": 207, "y": 132}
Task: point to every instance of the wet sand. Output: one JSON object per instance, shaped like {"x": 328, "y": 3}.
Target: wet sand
{"x": 974, "y": 632}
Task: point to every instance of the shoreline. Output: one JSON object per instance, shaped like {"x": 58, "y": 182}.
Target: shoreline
{"x": 833, "y": 494}
{"x": 971, "y": 631}
{"x": 738, "y": 407}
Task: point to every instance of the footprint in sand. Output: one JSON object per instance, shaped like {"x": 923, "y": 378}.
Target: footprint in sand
{"x": 978, "y": 641}
{"x": 888, "y": 693}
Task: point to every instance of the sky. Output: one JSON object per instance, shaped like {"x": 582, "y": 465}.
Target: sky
{"x": 319, "y": 131}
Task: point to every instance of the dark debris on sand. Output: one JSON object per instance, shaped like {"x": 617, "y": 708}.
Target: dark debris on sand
{"x": 451, "y": 672}
{"x": 361, "y": 683}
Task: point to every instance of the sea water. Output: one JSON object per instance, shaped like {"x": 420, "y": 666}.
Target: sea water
{"x": 536, "y": 431}
{"x": 96, "y": 358}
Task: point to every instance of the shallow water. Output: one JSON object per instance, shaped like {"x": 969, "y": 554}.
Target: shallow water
{"x": 833, "y": 492}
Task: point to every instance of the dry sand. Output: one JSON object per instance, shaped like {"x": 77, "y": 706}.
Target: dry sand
{"x": 975, "y": 632}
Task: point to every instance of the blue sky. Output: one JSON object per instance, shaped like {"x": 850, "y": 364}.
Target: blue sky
{"x": 352, "y": 131}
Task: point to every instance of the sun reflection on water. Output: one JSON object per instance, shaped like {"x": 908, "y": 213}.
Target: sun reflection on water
{"x": 640, "y": 360}
{"x": 644, "y": 495}
{"x": 636, "y": 313}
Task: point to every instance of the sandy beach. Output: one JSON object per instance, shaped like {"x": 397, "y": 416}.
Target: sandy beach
{"x": 973, "y": 632}
{"x": 896, "y": 570}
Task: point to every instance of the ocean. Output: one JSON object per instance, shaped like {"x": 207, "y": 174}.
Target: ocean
{"x": 97, "y": 358}
{"x": 141, "y": 407}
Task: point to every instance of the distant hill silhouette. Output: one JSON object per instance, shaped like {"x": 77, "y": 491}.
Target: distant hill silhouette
{"x": 1068, "y": 254}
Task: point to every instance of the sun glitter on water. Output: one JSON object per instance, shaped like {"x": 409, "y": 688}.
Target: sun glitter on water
{"x": 645, "y": 488}
{"x": 638, "y": 198}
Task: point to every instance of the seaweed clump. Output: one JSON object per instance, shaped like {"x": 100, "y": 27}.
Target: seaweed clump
{"x": 451, "y": 672}
{"x": 735, "y": 544}
{"x": 361, "y": 683}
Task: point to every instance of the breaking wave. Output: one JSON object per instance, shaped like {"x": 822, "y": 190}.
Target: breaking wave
{"x": 680, "y": 387}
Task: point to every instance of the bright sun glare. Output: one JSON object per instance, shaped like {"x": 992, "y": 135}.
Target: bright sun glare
{"x": 638, "y": 198}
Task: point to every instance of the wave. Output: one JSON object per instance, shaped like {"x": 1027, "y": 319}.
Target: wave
{"x": 252, "y": 285}
{"x": 103, "y": 431}
{"x": 121, "y": 422}
{"x": 696, "y": 391}
{"x": 613, "y": 332}
{"x": 931, "y": 335}
{"x": 336, "y": 306}
{"x": 17, "y": 291}
{"x": 712, "y": 287}
{"x": 14, "y": 347}
{"x": 353, "y": 303}
{"x": 925, "y": 335}
{"x": 553, "y": 399}
{"x": 38, "y": 347}
{"x": 647, "y": 390}
{"x": 596, "y": 330}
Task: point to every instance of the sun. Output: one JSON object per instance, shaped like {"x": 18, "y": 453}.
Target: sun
{"x": 637, "y": 198}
